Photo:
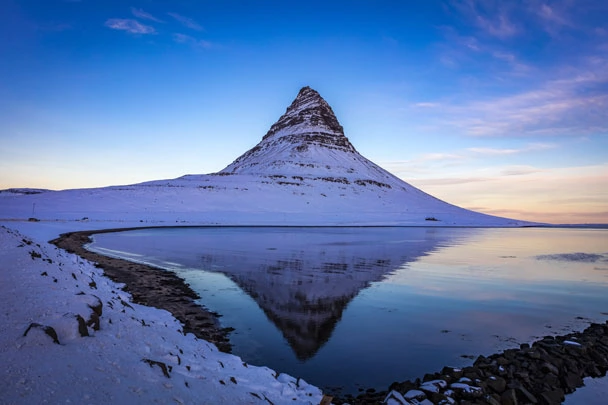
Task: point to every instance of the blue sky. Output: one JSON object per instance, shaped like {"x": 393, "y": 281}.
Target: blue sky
{"x": 496, "y": 106}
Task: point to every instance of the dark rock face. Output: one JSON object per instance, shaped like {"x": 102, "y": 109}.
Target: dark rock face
{"x": 309, "y": 109}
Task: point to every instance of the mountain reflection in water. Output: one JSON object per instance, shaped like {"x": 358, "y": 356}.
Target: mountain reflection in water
{"x": 303, "y": 280}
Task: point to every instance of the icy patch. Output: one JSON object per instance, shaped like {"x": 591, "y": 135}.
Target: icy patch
{"x": 572, "y": 257}
{"x": 571, "y": 343}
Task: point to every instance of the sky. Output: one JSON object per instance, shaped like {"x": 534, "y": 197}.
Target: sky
{"x": 500, "y": 107}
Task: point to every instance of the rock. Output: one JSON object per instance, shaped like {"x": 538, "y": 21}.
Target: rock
{"x": 509, "y": 397}
{"x": 48, "y": 330}
{"x": 497, "y": 384}
{"x": 395, "y": 397}
{"x": 433, "y": 386}
{"x": 549, "y": 368}
{"x": 492, "y": 400}
{"x": 467, "y": 391}
{"x": 553, "y": 397}
{"x": 524, "y": 394}
{"x": 415, "y": 394}
{"x": 571, "y": 381}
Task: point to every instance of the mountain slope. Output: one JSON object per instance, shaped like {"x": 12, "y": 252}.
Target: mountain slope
{"x": 304, "y": 171}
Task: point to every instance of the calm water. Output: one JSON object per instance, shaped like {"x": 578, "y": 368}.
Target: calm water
{"x": 363, "y": 307}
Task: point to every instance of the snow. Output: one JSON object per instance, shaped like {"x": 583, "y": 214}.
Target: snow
{"x": 433, "y": 386}
{"x": 465, "y": 387}
{"x": 137, "y": 354}
{"x": 244, "y": 199}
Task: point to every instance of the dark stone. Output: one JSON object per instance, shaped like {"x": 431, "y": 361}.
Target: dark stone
{"x": 571, "y": 381}
{"x": 525, "y": 395}
{"x": 549, "y": 368}
{"x": 497, "y": 384}
{"x": 509, "y": 397}
{"x": 555, "y": 396}
{"x": 48, "y": 330}
{"x": 82, "y": 326}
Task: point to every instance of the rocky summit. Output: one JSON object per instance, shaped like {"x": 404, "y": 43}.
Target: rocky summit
{"x": 301, "y": 138}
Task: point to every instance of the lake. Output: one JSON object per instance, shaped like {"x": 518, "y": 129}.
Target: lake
{"x": 352, "y": 308}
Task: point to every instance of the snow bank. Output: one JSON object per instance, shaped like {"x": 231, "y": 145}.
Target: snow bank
{"x": 71, "y": 335}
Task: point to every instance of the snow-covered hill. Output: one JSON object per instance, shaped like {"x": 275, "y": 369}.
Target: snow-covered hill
{"x": 303, "y": 172}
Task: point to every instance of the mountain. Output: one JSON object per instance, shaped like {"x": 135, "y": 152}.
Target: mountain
{"x": 304, "y": 171}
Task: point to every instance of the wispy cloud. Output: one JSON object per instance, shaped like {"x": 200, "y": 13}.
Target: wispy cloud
{"x": 139, "y": 13}
{"x": 503, "y": 151}
{"x": 490, "y": 16}
{"x": 467, "y": 49}
{"x": 187, "y": 39}
{"x": 129, "y": 25}
{"x": 570, "y": 100}
{"x": 558, "y": 195}
{"x": 186, "y": 21}
{"x": 426, "y": 105}
{"x": 499, "y": 26}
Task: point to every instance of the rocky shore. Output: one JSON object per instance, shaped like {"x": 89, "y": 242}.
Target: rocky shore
{"x": 153, "y": 287}
{"x": 541, "y": 373}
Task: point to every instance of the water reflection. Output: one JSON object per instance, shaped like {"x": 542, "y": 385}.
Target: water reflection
{"x": 303, "y": 280}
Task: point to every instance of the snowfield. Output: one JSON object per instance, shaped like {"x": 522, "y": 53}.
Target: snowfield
{"x": 71, "y": 335}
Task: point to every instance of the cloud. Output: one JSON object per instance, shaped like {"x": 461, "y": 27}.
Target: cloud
{"x": 186, "y": 21}
{"x": 129, "y": 25}
{"x": 499, "y": 26}
{"x": 490, "y": 16}
{"x": 569, "y": 100}
{"x": 426, "y": 105}
{"x": 495, "y": 152}
{"x": 574, "y": 194}
{"x": 187, "y": 39}
{"x": 139, "y": 13}
{"x": 465, "y": 50}
{"x": 519, "y": 171}
{"x": 548, "y": 13}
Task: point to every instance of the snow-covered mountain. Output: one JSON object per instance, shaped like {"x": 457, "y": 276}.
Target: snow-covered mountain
{"x": 305, "y": 171}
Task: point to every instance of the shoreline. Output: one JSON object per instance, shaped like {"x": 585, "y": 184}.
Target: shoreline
{"x": 152, "y": 287}
{"x": 543, "y": 372}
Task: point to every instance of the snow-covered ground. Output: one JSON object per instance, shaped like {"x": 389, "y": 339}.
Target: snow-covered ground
{"x": 132, "y": 354}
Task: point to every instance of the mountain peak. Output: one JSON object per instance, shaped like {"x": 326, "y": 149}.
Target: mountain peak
{"x": 308, "y": 113}
{"x": 306, "y": 135}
